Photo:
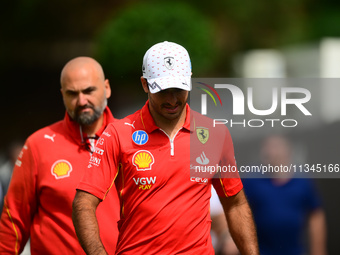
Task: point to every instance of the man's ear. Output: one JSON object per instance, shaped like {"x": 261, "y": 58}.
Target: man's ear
{"x": 144, "y": 84}
{"x": 107, "y": 88}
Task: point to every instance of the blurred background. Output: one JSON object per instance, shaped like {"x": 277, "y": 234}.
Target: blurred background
{"x": 241, "y": 39}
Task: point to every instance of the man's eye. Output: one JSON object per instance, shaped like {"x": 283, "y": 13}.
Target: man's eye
{"x": 72, "y": 93}
{"x": 89, "y": 91}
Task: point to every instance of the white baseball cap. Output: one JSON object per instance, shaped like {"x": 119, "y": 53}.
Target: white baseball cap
{"x": 167, "y": 65}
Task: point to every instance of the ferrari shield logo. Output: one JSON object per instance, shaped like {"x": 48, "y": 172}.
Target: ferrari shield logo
{"x": 202, "y": 134}
{"x": 169, "y": 62}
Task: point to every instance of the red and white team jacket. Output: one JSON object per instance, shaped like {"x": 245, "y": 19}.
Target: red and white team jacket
{"x": 38, "y": 204}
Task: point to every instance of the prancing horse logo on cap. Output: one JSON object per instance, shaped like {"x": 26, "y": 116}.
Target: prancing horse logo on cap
{"x": 169, "y": 62}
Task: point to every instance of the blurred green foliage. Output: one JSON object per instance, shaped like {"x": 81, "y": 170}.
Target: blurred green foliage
{"x": 213, "y": 31}
{"x": 122, "y": 43}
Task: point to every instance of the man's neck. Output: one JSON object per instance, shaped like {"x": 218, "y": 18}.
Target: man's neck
{"x": 170, "y": 127}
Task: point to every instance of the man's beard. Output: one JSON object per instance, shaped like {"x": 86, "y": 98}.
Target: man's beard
{"x": 87, "y": 118}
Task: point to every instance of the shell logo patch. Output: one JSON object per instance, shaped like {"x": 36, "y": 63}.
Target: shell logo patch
{"x": 61, "y": 169}
{"x": 202, "y": 134}
{"x": 143, "y": 160}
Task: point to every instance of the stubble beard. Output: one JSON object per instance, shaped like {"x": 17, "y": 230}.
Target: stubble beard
{"x": 87, "y": 118}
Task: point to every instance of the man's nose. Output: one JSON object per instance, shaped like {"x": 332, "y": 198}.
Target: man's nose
{"x": 171, "y": 97}
{"x": 82, "y": 99}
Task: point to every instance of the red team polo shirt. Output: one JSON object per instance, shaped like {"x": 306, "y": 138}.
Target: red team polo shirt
{"x": 38, "y": 203}
{"x": 164, "y": 209}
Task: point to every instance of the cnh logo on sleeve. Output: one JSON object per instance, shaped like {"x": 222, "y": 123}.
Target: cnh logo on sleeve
{"x": 143, "y": 160}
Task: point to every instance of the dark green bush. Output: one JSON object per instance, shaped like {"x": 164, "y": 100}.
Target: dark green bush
{"x": 123, "y": 41}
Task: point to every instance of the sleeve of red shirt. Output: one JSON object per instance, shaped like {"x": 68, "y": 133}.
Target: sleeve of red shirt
{"x": 19, "y": 205}
{"x": 228, "y": 184}
{"x": 102, "y": 169}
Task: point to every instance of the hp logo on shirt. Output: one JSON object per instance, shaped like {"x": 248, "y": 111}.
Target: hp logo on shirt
{"x": 140, "y": 137}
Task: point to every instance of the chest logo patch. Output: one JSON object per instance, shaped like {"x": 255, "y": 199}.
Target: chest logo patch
{"x": 202, "y": 134}
{"x": 140, "y": 137}
{"x": 143, "y": 160}
{"x": 202, "y": 159}
{"x": 61, "y": 169}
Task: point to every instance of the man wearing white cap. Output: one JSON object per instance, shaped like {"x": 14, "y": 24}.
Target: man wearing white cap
{"x": 147, "y": 154}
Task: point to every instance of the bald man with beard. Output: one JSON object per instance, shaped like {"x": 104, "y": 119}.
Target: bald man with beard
{"x": 38, "y": 204}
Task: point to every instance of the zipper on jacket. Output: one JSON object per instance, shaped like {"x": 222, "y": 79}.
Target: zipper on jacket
{"x": 172, "y": 147}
